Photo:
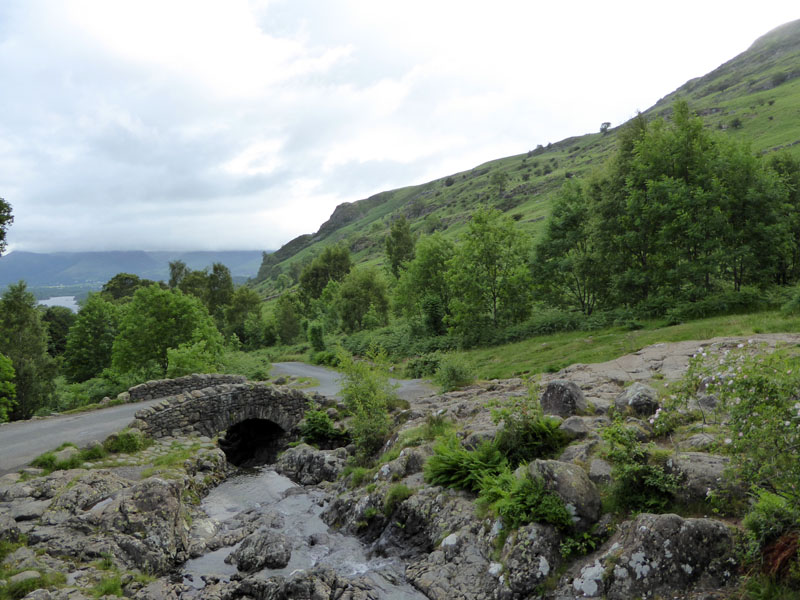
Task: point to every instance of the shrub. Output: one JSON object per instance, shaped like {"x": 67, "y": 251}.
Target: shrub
{"x": 638, "y": 484}
{"x": 397, "y": 494}
{"x": 522, "y": 500}
{"x": 316, "y": 337}
{"x": 422, "y": 366}
{"x": 454, "y": 466}
{"x": 127, "y": 441}
{"x": 325, "y": 358}
{"x": 317, "y": 429}
{"x": 452, "y": 374}
{"x": 770, "y": 517}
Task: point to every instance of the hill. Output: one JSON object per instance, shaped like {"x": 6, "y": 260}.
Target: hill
{"x": 754, "y": 97}
{"x": 91, "y": 270}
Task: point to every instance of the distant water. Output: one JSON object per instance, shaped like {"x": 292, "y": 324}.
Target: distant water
{"x": 67, "y": 301}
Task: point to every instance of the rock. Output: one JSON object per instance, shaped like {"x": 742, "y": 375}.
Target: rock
{"x": 24, "y": 576}
{"x": 9, "y": 530}
{"x": 699, "y": 473}
{"x": 571, "y": 483}
{"x": 530, "y": 555}
{"x": 639, "y": 398}
{"x": 309, "y": 466}
{"x": 66, "y": 454}
{"x": 87, "y": 490}
{"x": 30, "y": 510}
{"x": 563, "y": 398}
{"x": 264, "y": 548}
{"x": 655, "y": 556}
{"x": 575, "y": 428}
{"x": 579, "y": 452}
{"x": 599, "y": 471}
{"x": 699, "y": 441}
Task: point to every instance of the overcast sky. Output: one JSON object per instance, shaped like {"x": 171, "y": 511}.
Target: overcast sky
{"x": 172, "y": 125}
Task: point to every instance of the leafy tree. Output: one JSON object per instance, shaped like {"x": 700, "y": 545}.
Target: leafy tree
{"x": 91, "y": 338}
{"x": 23, "y": 339}
{"x": 6, "y": 219}
{"x": 156, "y": 320}
{"x": 58, "y": 319}
{"x": 787, "y": 168}
{"x": 399, "y": 245}
{"x": 244, "y": 303}
{"x": 8, "y": 391}
{"x": 195, "y": 283}
{"x": 498, "y": 181}
{"x": 604, "y": 126}
{"x": 423, "y": 288}
{"x": 362, "y": 293}
{"x": 283, "y": 281}
{"x": 220, "y": 289}
{"x": 123, "y": 286}
{"x": 192, "y": 357}
{"x": 287, "y": 318}
{"x": 332, "y": 265}
{"x": 490, "y": 270}
{"x": 177, "y": 271}
{"x": 568, "y": 266}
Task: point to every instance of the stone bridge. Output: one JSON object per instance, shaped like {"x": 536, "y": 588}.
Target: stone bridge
{"x": 215, "y": 409}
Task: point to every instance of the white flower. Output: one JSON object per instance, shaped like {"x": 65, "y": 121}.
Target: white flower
{"x": 740, "y": 345}
{"x": 729, "y": 440}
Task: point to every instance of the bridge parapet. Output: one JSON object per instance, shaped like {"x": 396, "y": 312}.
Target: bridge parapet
{"x": 215, "y": 409}
{"x": 163, "y": 388}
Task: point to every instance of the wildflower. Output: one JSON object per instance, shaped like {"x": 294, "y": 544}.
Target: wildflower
{"x": 729, "y": 440}
{"x": 740, "y": 345}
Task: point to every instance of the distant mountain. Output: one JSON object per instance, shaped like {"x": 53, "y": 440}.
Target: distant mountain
{"x": 95, "y": 268}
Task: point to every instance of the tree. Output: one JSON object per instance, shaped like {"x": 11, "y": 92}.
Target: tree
{"x": 490, "y": 270}
{"x": 423, "y": 288}
{"x": 23, "y": 339}
{"x": 287, "y": 318}
{"x": 497, "y": 183}
{"x": 123, "y": 285}
{"x": 91, "y": 339}
{"x": 58, "y": 320}
{"x": 5, "y": 222}
{"x": 363, "y": 294}
{"x": 195, "y": 283}
{"x": 8, "y": 391}
{"x": 244, "y": 304}
{"x": 604, "y": 127}
{"x": 568, "y": 266}
{"x": 332, "y": 265}
{"x": 156, "y": 320}
{"x": 220, "y": 289}
{"x": 177, "y": 271}
{"x": 399, "y": 245}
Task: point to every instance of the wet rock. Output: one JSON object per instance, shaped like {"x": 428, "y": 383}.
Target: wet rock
{"x": 641, "y": 399}
{"x": 309, "y": 466}
{"x": 571, "y": 483}
{"x": 563, "y": 398}
{"x": 264, "y": 548}
{"x": 655, "y": 556}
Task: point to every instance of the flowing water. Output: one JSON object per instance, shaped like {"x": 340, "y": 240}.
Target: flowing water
{"x": 313, "y": 543}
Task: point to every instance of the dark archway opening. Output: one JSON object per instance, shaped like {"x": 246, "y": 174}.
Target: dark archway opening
{"x": 253, "y": 442}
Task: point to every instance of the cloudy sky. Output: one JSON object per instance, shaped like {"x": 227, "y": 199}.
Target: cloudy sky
{"x": 171, "y": 125}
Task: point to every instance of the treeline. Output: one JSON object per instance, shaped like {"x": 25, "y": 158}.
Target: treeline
{"x": 131, "y": 331}
{"x": 682, "y": 222}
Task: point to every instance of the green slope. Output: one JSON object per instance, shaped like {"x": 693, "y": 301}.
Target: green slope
{"x": 753, "y": 97}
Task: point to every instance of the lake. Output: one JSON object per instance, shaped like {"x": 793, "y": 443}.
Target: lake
{"x": 68, "y": 301}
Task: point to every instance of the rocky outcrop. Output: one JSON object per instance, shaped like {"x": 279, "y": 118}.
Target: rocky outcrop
{"x": 571, "y": 483}
{"x": 639, "y": 398}
{"x": 655, "y": 555}
{"x": 309, "y": 466}
{"x": 563, "y": 398}
{"x": 263, "y": 548}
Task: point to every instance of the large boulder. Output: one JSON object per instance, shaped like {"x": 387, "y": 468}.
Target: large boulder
{"x": 655, "y": 556}
{"x": 571, "y": 483}
{"x": 264, "y": 548}
{"x": 700, "y": 473}
{"x": 641, "y": 399}
{"x": 563, "y": 398}
{"x": 530, "y": 555}
{"x": 308, "y": 466}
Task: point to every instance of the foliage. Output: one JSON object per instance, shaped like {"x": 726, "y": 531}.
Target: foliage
{"x": 6, "y": 218}
{"x": 399, "y": 245}
{"x": 454, "y": 466}
{"x": 316, "y": 336}
{"x": 245, "y": 305}
{"x": 23, "y": 340}
{"x": 127, "y": 441}
{"x": 49, "y": 463}
{"x": 91, "y": 339}
{"x": 58, "y": 320}
{"x": 254, "y": 365}
{"x": 287, "y": 318}
{"x": 156, "y": 320}
{"x": 318, "y": 430}
{"x": 422, "y": 366}
{"x": 191, "y": 358}
{"x": 331, "y": 265}
{"x": 20, "y": 589}
{"x": 8, "y": 391}
{"x": 490, "y": 271}
{"x": 580, "y": 544}
{"x": 453, "y": 373}
{"x": 396, "y": 495}
{"x": 526, "y": 433}
{"x": 367, "y": 393}
{"x": 522, "y": 500}
{"x": 638, "y": 484}
{"x": 123, "y": 285}
{"x": 363, "y": 301}
{"x": 770, "y": 517}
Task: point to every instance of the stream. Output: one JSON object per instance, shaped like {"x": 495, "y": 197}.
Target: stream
{"x": 313, "y": 543}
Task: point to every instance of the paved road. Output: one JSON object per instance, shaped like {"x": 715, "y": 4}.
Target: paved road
{"x": 22, "y": 441}
{"x": 408, "y": 389}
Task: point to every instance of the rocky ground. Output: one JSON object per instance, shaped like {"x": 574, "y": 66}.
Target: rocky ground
{"x": 122, "y": 525}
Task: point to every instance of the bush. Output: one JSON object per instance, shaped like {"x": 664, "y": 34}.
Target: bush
{"x": 454, "y": 466}
{"x": 748, "y": 299}
{"x": 317, "y": 429}
{"x": 522, "y": 500}
{"x": 397, "y": 494}
{"x": 325, "y": 358}
{"x": 127, "y": 441}
{"x": 316, "y": 337}
{"x": 638, "y": 484}
{"x": 770, "y": 517}
{"x": 452, "y": 374}
{"x": 422, "y": 366}
{"x": 190, "y": 358}
{"x": 253, "y": 365}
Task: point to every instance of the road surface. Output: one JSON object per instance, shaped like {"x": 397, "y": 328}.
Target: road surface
{"x": 22, "y": 441}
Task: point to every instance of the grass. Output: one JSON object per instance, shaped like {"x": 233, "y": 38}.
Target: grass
{"x": 177, "y": 455}
{"x": 551, "y": 353}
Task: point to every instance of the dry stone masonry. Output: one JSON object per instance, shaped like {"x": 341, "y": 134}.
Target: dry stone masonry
{"x": 162, "y": 388}
{"x": 214, "y": 409}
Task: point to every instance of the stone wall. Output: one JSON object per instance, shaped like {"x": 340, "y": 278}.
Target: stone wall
{"x": 162, "y": 388}
{"x": 214, "y": 409}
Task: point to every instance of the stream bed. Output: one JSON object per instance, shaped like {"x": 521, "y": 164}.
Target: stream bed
{"x": 313, "y": 543}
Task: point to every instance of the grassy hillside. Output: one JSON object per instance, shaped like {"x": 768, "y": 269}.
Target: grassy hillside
{"x": 753, "y": 97}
